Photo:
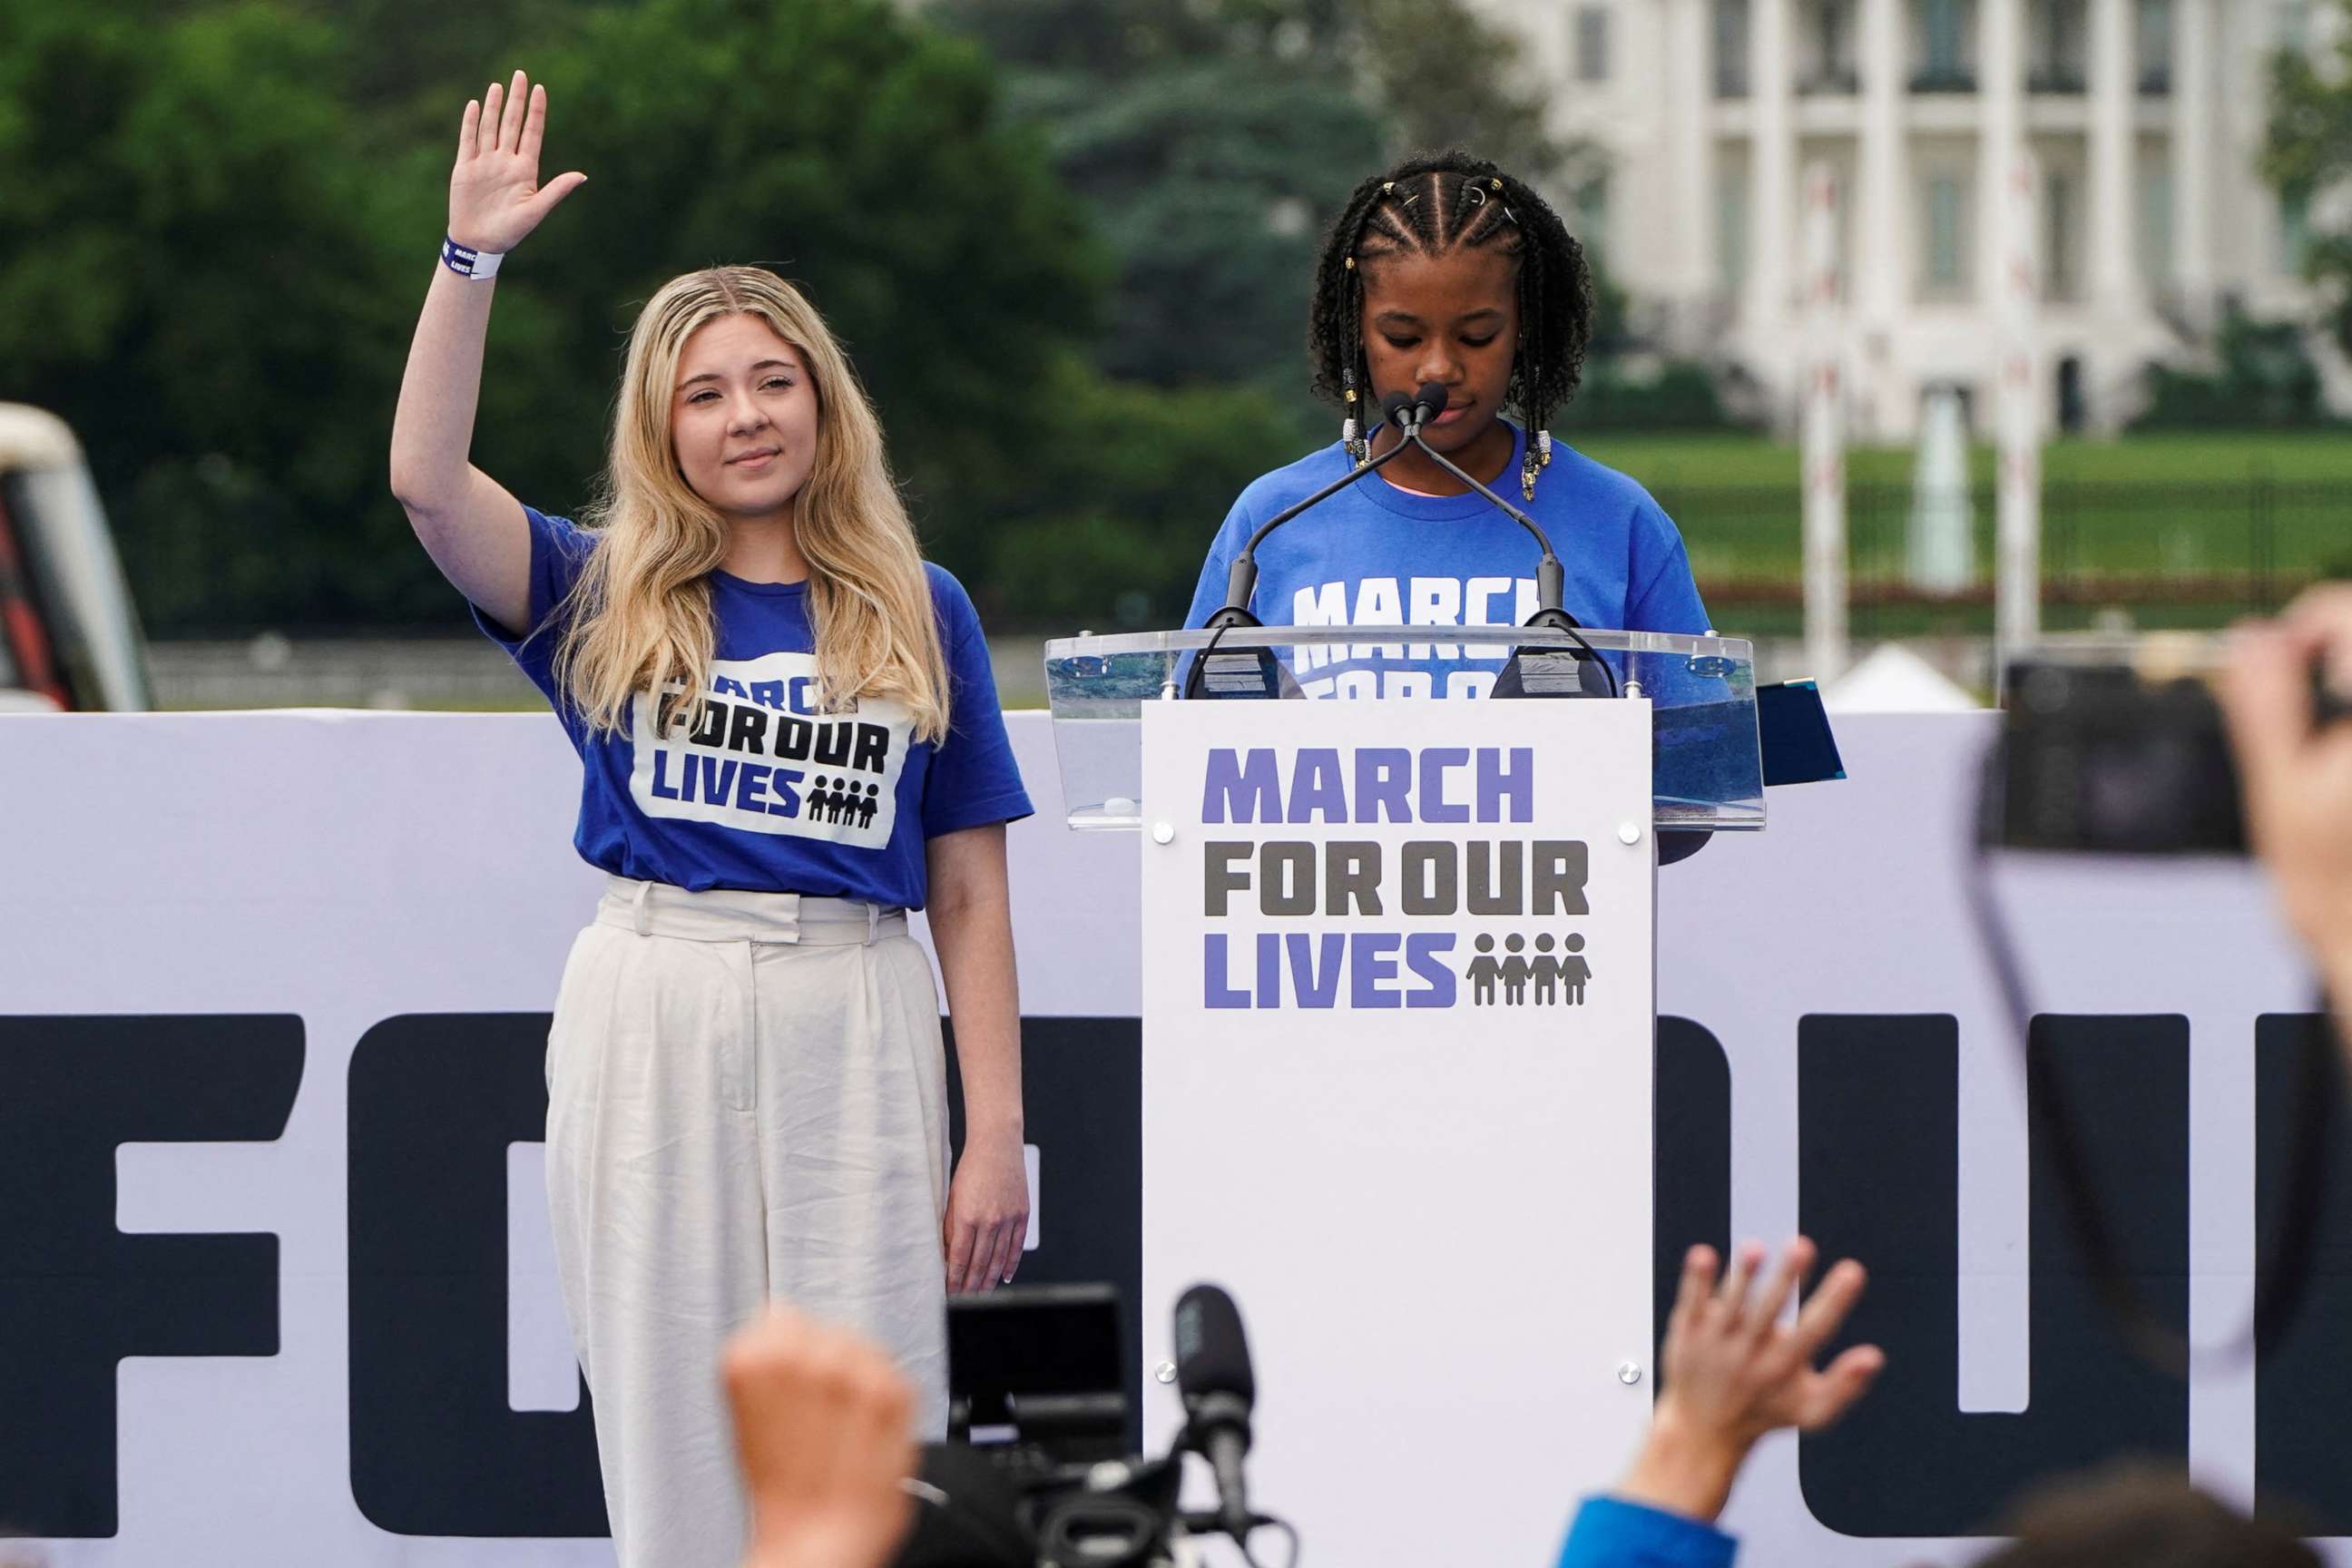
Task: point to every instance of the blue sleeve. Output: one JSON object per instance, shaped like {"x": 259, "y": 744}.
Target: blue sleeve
{"x": 973, "y": 779}
{"x": 1611, "y": 1533}
{"x": 1662, "y": 595}
{"x": 559, "y": 551}
{"x": 1209, "y": 594}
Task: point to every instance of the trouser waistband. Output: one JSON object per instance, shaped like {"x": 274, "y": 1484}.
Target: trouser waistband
{"x": 728, "y": 914}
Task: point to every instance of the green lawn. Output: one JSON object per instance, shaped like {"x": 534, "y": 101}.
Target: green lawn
{"x": 2185, "y": 529}
{"x": 1713, "y": 462}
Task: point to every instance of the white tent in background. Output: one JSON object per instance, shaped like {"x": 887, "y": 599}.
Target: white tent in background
{"x": 1893, "y": 679}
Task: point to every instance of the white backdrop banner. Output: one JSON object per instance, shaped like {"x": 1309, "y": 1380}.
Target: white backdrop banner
{"x": 273, "y": 1269}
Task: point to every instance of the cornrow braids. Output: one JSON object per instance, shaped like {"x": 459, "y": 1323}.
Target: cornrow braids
{"x": 1431, "y": 205}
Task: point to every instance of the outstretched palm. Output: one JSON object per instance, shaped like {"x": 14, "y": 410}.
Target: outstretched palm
{"x": 494, "y": 196}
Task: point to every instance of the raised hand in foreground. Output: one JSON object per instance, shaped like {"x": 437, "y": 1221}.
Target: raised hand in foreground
{"x": 1731, "y": 1372}
{"x": 824, "y": 1432}
{"x": 2297, "y": 772}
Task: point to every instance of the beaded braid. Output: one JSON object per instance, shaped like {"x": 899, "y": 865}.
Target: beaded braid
{"x": 1430, "y": 204}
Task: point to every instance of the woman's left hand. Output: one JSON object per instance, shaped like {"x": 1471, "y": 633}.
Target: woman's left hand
{"x": 988, "y": 1216}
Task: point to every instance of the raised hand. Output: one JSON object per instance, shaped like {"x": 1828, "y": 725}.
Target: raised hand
{"x": 2298, "y": 773}
{"x": 824, "y": 1434}
{"x": 1732, "y": 1371}
{"x": 494, "y": 196}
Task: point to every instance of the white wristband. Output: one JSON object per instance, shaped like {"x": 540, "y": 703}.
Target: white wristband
{"x": 466, "y": 262}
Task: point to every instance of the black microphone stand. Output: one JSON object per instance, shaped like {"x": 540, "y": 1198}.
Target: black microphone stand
{"x": 1551, "y": 578}
{"x": 1241, "y": 577}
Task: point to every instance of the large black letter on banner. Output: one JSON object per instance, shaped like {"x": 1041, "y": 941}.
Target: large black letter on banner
{"x": 1690, "y": 1161}
{"x": 1878, "y": 1167}
{"x": 75, "y": 1294}
{"x": 2303, "y": 1397}
{"x": 1082, "y": 1097}
{"x": 436, "y": 1450}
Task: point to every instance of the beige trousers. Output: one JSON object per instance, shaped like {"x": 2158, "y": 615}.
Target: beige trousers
{"x": 746, "y": 1100}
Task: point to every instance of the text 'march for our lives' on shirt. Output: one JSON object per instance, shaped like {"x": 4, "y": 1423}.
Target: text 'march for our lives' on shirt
{"x": 1375, "y": 554}
{"x": 767, "y": 786}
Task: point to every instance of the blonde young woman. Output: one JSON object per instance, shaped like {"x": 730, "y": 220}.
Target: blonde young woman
{"x": 746, "y": 1077}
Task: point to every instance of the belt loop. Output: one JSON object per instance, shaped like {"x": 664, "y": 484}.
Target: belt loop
{"x": 873, "y": 922}
{"x": 639, "y": 914}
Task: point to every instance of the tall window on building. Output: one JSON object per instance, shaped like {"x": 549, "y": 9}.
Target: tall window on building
{"x": 2152, "y": 39}
{"x": 2291, "y": 25}
{"x": 1943, "y": 47}
{"x": 1590, "y": 205}
{"x": 1832, "y": 66}
{"x": 1731, "y": 49}
{"x": 2058, "y": 235}
{"x": 2293, "y": 242}
{"x": 1593, "y": 43}
{"x": 1947, "y": 249}
{"x": 1731, "y": 226}
{"x": 2059, "y": 29}
{"x": 2154, "y": 235}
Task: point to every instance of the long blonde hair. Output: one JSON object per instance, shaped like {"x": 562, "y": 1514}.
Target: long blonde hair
{"x": 639, "y": 617}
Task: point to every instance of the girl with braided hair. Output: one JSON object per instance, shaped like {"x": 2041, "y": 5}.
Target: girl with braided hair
{"x": 789, "y": 737}
{"x": 1447, "y": 269}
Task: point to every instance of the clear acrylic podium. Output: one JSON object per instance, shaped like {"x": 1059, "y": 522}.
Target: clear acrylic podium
{"x": 1398, "y": 1016}
{"x": 1707, "y": 771}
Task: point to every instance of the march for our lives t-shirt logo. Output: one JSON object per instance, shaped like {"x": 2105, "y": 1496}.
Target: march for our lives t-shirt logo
{"x": 765, "y": 757}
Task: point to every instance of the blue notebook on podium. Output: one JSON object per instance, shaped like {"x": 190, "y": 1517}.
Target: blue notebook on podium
{"x": 1792, "y": 732}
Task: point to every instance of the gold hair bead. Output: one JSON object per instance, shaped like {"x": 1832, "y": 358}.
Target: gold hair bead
{"x": 1387, "y": 185}
{"x": 1352, "y": 264}
{"x": 1351, "y": 394}
{"x": 1497, "y": 183}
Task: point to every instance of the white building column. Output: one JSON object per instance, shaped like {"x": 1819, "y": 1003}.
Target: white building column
{"x": 1882, "y": 282}
{"x": 2000, "y": 138}
{"x": 1884, "y": 217}
{"x": 2192, "y": 153}
{"x": 2115, "y": 218}
{"x": 1693, "y": 277}
{"x": 1772, "y": 195}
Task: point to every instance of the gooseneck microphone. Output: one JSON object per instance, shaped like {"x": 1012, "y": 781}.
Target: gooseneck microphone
{"x": 1551, "y": 578}
{"x": 1241, "y": 578}
{"x": 1213, "y": 1373}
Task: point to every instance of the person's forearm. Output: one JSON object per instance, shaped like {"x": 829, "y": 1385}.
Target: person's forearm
{"x": 973, "y": 935}
{"x": 433, "y": 430}
{"x": 1681, "y": 1471}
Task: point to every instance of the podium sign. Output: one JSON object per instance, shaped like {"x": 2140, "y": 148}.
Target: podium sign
{"x": 1397, "y": 1099}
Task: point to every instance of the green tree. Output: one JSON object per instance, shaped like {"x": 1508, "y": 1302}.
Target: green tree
{"x": 189, "y": 258}
{"x": 1215, "y": 141}
{"x": 2309, "y": 156}
{"x": 1210, "y": 150}
{"x": 2266, "y": 381}
{"x": 213, "y": 247}
{"x": 856, "y": 153}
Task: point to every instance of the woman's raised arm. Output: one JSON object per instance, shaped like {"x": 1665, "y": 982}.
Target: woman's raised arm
{"x": 466, "y": 521}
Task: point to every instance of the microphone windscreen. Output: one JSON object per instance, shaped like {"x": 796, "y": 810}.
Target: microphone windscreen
{"x": 1212, "y": 1356}
{"x": 1393, "y": 405}
{"x": 1431, "y": 397}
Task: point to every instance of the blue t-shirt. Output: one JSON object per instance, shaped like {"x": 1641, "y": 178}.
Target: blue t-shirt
{"x": 1611, "y": 1533}
{"x": 767, "y": 793}
{"x": 1374, "y": 554}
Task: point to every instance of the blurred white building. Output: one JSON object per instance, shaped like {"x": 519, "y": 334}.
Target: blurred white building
{"x": 2147, "y": 118}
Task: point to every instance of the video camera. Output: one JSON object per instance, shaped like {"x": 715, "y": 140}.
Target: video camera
{"x": 1039, "y": 1468}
